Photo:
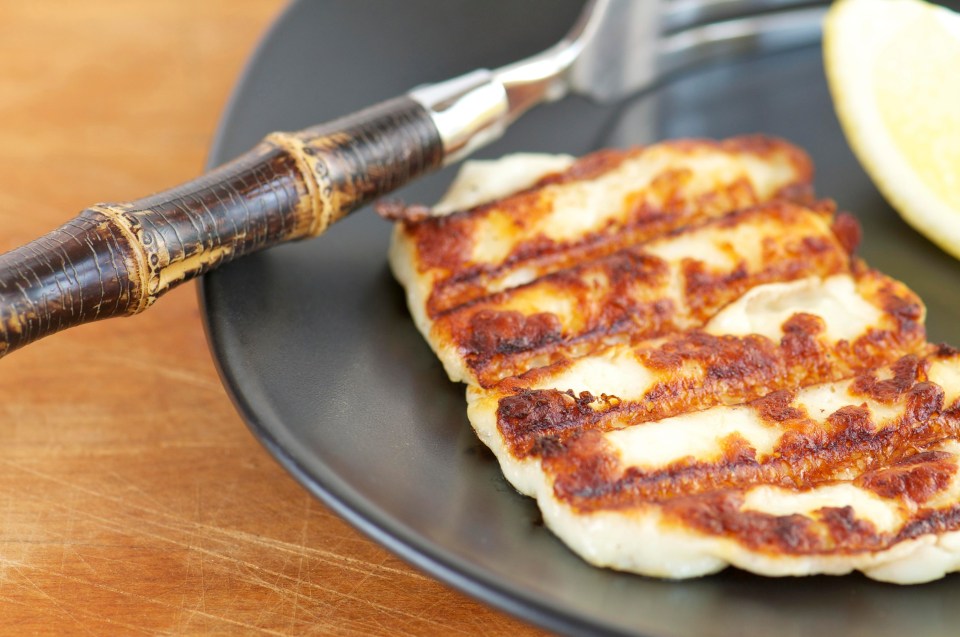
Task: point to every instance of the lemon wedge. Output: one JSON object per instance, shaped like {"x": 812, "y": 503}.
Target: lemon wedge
{"x": 894, "y": 72}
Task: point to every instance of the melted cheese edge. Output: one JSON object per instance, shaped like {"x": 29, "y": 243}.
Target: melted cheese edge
{"x": 482, "y": 180}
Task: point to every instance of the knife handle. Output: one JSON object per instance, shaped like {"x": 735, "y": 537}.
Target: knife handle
{"x": 117, "y": 259}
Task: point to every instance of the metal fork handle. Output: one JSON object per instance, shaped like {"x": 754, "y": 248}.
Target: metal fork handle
{"x": 473, "y": 110}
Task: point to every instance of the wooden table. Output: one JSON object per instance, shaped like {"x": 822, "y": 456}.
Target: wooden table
{"x": 132, "y": 497}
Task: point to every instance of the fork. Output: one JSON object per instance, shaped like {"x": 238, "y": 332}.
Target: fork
{"x": 116, "y": 259}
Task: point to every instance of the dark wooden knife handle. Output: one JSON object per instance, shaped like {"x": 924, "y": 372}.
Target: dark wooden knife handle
{"x": 117, "y": 259}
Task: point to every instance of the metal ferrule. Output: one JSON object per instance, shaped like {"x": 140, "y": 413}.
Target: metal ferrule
{"x": 469, "y": 111}
{"x": 472, "y": 110}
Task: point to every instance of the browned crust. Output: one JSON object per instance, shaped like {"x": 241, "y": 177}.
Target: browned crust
{"x": 589, "y": 166}
{"x": 443, "y": 243}
{"x": 729, "y": 370}
{"x": 830, "y": 531}
{"x": 894, "y": 461}
{"x": 630, "y": 300}
{"x": 614, "y": 283}
{"x": 916, "y": 478}
{"x": 805, "y": 457}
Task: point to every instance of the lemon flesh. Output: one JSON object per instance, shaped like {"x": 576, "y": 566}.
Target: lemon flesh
{"x": 894, "y": 73}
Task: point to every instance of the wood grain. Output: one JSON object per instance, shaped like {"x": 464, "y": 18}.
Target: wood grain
{"x": 132, "y": 498}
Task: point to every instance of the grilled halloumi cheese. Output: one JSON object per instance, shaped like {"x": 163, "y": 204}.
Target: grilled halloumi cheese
{"x": 667, "y": 284}
{"x": 859, "y": 474}
{"x": 776, "y": 336}
{"x": 580, "y": 210}
{"x": 682, "y": 391}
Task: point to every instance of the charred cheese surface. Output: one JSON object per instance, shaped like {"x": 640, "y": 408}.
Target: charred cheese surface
{"x": 804, "y": 332}
{"x": 663, "y": 285}
{"x": 857, "y": 474}
{"x": 596, "y": 206}
{"x": 673, "y": 351}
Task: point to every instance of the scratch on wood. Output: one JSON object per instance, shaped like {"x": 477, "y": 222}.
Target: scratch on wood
{"x": 142, "y": 598}
{"x": 168, "y": 528}
{"x": 68, "y": 613}
{"x": 169, "y": 372}
{"x": 360, "y": 566}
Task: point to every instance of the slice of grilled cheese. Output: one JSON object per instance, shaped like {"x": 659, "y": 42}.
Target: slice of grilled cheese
{"x": 672, "y": 283}
{"x": 859, "y": 474}
{"x": 673, "y": 350}
{"x": 597, "y": 205}
{"x": 787, "y": 335}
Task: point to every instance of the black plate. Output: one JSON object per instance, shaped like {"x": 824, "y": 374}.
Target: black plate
{"x": 315, "y": 344}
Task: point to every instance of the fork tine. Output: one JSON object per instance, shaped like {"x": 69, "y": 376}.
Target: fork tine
{"x": 679, "y": 15}
{"x": 757, "y": 33}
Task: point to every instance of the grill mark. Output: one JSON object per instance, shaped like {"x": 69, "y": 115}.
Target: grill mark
{"x": 503, "y": 333}
{"x": 916, "y": 478}
{"x": 628, "y": 294}
{"x": 705, "y": 370}
{"x": 720, "y": 514}
{"x": 844, "y": 528}
{"x": 801, "y": 342}
{"x": 588, "y": 167}
{"x": 930, "y": 521}
{"x": 809, "y": 452}
{"x": 529, "y": 417}
{"x": 908, "y": 312}
{"x": 831, "y": 530}
{"x": 835, "y": 531}
{"x": 943, "y": 350}
{"x": 443, "y": 244}
{"x": 906, "y": 372}
{"x": 776, "y": 407}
